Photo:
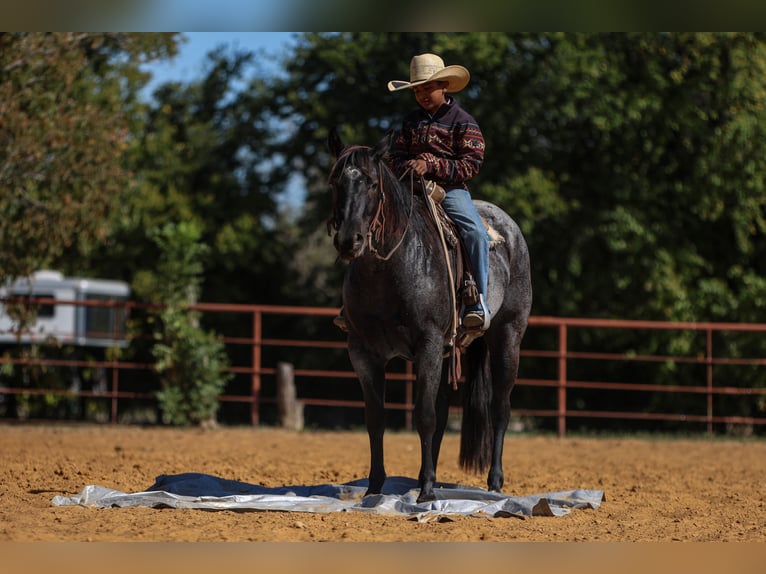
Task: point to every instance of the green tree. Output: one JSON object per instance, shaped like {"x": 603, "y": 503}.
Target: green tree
{"x": 620, "y": 155}
{"x": 634, "y": 163}
{"x": 201, "y": 153}
{"x": 65, "y": 104}
{"x": 191, "y": 361}
{"x": 643, "y": 138}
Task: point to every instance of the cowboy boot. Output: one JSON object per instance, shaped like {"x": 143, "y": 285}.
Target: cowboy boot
{"x": 340, "y": 321}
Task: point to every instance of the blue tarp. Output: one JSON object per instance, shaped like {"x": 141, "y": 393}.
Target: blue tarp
{"x": 203, "y": 491}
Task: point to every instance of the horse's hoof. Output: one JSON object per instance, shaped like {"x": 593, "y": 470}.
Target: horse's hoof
{"x": 426, "y": 497}
{"x": 375, "y": 485}
{"x": 373, "y": 490}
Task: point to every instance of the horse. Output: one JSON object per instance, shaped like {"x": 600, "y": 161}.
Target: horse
{"x": 395, "y": 304}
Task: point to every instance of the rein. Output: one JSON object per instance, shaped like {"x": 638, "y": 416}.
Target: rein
{"x": 378, "y": 224}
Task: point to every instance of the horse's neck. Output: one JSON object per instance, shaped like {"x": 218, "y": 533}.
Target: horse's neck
{"x": 402, "y": 254}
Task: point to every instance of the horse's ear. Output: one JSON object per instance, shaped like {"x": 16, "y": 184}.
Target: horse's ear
{"x": 382, "y": 147}
{"x": 334, "y": 142}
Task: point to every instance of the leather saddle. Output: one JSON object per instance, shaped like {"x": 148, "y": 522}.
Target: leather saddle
{"x": 464, "y": 287}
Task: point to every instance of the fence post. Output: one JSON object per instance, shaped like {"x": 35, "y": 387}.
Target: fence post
{"x": 115, "y": 368}
{"x": 562, "y": 409}
{"x": 709, "y": 372}
{"x": 290, "y": 409}
{"x": 256, "y": 377}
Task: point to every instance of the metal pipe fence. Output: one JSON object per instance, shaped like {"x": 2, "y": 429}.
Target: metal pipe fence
{"x": 572, "y": 369}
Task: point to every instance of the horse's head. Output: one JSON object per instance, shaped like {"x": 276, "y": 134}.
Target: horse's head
{"x": 357, "y": 184}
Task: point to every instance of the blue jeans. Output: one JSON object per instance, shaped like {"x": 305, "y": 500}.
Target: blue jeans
{"x": 459, "y": 206}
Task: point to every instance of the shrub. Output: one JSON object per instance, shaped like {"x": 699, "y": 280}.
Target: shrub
{"x": 192, "y": 362}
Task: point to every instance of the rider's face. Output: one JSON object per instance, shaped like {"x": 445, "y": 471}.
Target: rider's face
{"x": 430, "y": 95}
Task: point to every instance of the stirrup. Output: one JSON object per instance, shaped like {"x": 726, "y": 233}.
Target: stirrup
{"x": 477, "y": 318}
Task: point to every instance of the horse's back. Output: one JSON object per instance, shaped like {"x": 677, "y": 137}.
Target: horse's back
{"x": 510, "y": 284}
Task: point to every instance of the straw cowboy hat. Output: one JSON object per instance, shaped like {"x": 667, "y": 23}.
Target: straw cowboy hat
{"x": 430, "y": 68}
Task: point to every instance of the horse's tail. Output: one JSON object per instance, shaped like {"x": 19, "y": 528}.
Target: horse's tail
{"x": 476, "y": 429}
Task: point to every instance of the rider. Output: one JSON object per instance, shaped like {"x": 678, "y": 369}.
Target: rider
{"x": 443, "y": 143}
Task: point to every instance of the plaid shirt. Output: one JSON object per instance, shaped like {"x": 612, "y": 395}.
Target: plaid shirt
{"x": 450, "y": 141}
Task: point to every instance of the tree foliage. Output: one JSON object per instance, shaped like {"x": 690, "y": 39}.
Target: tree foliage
{"x": 633, "y": 162}
{"x": 621, "y": 156}
{"x": 201, "y": 154}
{"x": 191, "y": 361}
{"x": 64, "y": 129}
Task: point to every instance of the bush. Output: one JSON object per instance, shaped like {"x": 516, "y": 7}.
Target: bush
{"x": 192, "y": 362}
{"x": 193, "y": 366}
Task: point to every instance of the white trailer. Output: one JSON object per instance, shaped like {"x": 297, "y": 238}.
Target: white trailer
{"x": 69, "y": 324}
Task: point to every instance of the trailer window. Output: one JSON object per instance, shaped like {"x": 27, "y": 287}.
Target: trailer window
{"x": 44, "y": 310}
{"x": 104, "y": 322}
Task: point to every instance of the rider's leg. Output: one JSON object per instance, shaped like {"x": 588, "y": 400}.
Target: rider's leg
{"x": 460, "y": 208}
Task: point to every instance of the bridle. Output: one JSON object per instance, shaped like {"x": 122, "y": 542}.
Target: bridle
{"x": 377, "y": 229}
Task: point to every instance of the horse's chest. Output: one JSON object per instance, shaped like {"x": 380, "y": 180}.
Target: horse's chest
{"x": 390, "y": 318}
{"x": 390, "y": 301}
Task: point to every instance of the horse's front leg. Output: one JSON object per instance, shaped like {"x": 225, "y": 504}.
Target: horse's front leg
{"x": 428, "y": 367}
{"x": 442, "y": 411}
{"x": 371, "y": 371}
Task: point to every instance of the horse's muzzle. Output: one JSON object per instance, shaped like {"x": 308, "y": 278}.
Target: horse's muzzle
{"x": 349, "y": 248}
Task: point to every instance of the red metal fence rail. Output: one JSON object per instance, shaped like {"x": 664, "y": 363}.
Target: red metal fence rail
{"x": 565, "y": 356}
{"x": 260, "y": 345}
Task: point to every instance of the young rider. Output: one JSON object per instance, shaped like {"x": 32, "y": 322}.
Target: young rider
{"x": 443, "y": 143}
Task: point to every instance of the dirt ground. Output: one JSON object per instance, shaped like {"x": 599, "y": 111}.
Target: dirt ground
{"x": 656, "y": 490}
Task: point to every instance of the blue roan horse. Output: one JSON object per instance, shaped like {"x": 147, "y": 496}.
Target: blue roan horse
{"x": 397, "y": 304}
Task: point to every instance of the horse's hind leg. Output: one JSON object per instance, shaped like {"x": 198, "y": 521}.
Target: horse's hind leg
{"x": 372, "y": 376}
{"x": 504, "y": 364}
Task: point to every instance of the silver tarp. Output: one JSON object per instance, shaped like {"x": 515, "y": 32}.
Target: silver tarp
{"x": 202, "y": 491}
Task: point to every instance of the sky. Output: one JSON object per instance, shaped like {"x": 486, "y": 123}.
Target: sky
{"x": 188, "y": 65}
{"x": 192, "y": 53}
